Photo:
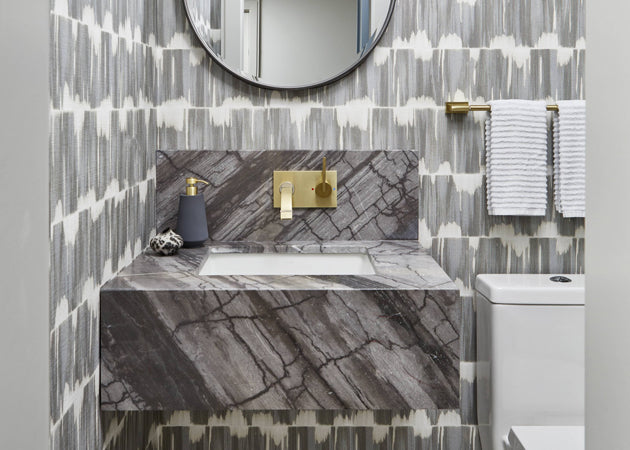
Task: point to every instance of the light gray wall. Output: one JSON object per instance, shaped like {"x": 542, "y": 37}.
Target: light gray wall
{"x": 307, "y": 41}
{"x": 608, "y": 215}
{"x": 24, "y": 225}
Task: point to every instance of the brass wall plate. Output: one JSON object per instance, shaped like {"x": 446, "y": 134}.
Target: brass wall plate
{"x": 304, "y": 182}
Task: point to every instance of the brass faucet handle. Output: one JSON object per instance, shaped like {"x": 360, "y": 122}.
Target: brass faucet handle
{"x": 323, "y": 189}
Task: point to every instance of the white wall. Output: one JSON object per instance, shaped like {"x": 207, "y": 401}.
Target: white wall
{"x": 320, "y": 44}
{"x": 24, "y": 41}
{"x": 607, "y": 227}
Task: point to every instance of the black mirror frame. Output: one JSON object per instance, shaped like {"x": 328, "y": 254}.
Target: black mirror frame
{"x": 253, "y": 81}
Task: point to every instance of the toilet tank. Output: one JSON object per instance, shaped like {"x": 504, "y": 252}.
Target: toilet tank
{"x": 530, "y": 352}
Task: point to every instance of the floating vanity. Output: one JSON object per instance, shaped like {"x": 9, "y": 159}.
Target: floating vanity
{"x": 341, "y": 325}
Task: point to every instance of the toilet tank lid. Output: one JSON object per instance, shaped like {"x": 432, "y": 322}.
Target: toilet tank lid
{"x": 519, "y": 289}
{"x": 547, "y": 438}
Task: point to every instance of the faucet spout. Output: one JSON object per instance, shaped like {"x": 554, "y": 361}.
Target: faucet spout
{"x": 286, "y": 200}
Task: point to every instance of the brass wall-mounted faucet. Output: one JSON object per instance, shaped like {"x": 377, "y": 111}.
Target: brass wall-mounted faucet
{"x": 304, "y": 189}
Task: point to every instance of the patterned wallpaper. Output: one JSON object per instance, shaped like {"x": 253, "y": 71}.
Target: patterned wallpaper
{"x": 434, "y": 51}
{"x": 125, "y": 82}
{"x": 102, "y": 171}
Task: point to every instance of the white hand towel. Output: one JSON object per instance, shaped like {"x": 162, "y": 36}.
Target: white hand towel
{"x": 516, "y": 158}
{"x": 569, "y": 158}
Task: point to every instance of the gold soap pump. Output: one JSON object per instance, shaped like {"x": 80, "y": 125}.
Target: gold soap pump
{"x": 191, "y": 185}
{"x": 192, "y": 224}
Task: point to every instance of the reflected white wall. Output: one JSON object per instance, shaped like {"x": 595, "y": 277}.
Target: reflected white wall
{"x": 378, "y": 12}
{"x": 317, "y": 38}
{"x": 233, "y": 32}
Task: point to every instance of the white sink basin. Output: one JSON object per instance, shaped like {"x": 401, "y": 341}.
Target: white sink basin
{"x": 287, "y": 264}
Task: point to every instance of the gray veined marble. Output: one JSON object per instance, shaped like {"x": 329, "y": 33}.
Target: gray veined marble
{"x": 172, "y": 339}
{"x": 378, "y": 194}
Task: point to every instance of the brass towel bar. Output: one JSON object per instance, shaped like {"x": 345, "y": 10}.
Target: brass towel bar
{"x": 465, "y": 108}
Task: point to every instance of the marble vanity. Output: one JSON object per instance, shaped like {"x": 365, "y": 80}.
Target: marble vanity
{"x": 383, "y": 336}
{"x": 172, "y": 339}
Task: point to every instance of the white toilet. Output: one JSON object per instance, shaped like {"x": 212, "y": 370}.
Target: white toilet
{"x": 530, "y": 371}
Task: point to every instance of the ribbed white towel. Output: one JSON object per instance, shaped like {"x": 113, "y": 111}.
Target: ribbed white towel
{"x": 516, "y": 158}
{"x": 569, "y": 158}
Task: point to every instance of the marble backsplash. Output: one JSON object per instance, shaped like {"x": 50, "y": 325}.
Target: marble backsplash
{"x": 378, "y": 194}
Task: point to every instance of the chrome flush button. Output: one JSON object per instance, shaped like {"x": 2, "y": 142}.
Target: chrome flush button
{"x": 560, "y": 279}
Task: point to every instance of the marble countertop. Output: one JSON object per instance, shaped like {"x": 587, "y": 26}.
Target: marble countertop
{"x": 401, "y": 265}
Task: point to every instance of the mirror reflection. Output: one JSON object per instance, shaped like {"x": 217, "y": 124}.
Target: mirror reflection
{"x": 289, "y": 43}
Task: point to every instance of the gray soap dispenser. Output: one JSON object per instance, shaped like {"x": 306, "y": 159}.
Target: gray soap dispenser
{"x": 192, "y": 224}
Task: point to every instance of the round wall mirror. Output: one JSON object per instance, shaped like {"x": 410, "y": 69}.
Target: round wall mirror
{"x": 289, "y": 44}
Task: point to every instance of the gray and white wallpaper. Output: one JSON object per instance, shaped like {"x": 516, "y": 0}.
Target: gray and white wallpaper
{"x": 102, "y": 193}
{"x": 129, "y": 78}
